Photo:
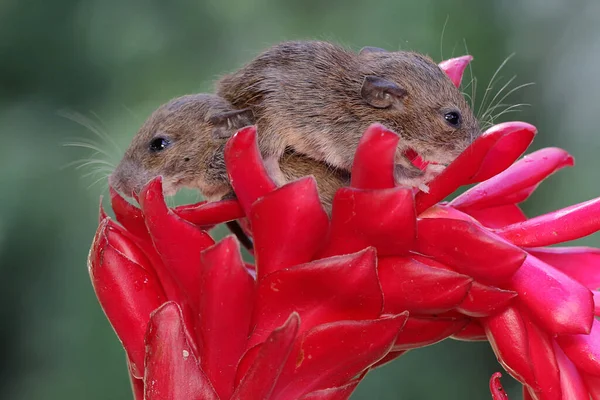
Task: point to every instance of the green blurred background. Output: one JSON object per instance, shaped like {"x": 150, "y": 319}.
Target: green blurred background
{"x": 108, "y": 64}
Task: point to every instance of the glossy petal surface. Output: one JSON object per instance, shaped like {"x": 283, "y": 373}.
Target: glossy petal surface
{"x": 172, "y": 371}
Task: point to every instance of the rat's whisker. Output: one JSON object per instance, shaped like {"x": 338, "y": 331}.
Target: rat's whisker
{"x": 494, "y": 76}
{"x": 513, "y": 90}
{"x": 90, "y": 125}
{"x": 442, "y": 38}
{"x": 89, "y": 146}
{"x": 513, "y": 108}
{"x": 498, "y": 94}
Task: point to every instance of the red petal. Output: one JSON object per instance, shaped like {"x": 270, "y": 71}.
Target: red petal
{"x": 583, "y": 350}
{"x": 410, "y": 285}
{"x": 482, "y": 300}
{"x": 524, "y": 174}
{"x": 289, "y": 226}
{"x": 506, "y": 150}
{"x": 178, "y": 242}
{"x": 455, "y": 67}
{"x": 487, "y": 156}
{"x": 128, "y": 291}
{"x": 423, "y": 331}
{"x": 384, "y": 219}
{"x": 337, "y": 393}
{"x": 332, "y": 354}
{"x": 332, "y": 289}
{"x": 373, "y": 166}
{"x": 496, "y": 388}
{"x": 528, "y": 394}
{"x": 469, "y": 249}
{"x": 543, "y": 362}
{"x": 498, "y": 217}
{"x": 128, "y": 215}
{"x": 245, "y": 167}
{"x": 571, "y": 382}
{"x": 558, "y": 303}
{"x": 226, "y": 300}
{"x": 580, "y": 263}
{"x": 507, "y": 334}
{"x": 259, "y": 381}
{"x": 172, "y": 371}
{"x": 596, "y": 295}
{"x": 592, "y": 384}
{"x": 473, "y": 332}
{"x": 213, "y": 213}
{"x": 559, "y": 226}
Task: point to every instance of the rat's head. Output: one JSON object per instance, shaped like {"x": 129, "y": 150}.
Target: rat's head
{"x": 182, "y": 141}
{"x": 413, "y": 96}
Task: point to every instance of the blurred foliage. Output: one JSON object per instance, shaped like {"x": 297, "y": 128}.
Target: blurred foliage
{"x": 109, "y": 63}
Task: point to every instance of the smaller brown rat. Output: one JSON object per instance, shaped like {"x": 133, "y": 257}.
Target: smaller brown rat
{"x": 183, "y": 140}
{"x": 318, "y": 98}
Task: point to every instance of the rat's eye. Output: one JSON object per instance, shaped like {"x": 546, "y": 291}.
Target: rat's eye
{"x": 159, "y": 144}
{"x": 453, "y": 118}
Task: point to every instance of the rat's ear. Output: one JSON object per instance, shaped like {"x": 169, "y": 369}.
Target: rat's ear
{"x": 227, "y": 123}
{"x": 369, "y": 49}
{"x": 381, "y": 93}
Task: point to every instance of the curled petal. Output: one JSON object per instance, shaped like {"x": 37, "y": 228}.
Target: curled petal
{"x": 507, "y": 333}
{"x": 331, "y": 289}
{"x": 570, "y": 223}
{"x": 410, "y": 285}
{"x": 522, "y": 175}
{"x": 496, "y": 388}
{"x": 483, "y": 300}
{"x": 260, "y": 380}
{"x": 332, "y": 354}
{"x": 127, "y": 290}
{"x": 498, "y": 217}
{"x": 288, "y": 225}
{"x": 557, "y": 302}
{"x": 580, "y": 263}
{"x": 172, "y": 371}
{"x": 101, "y": 213}
{"x": 209, "y": 214}
{"x": 469, "y": 249}
{"x": 128, "y": 215}
{"x": 245, "y": 168}
{"x": 491, "y": 153}
{"x": 226, "y": 300}
{"x": 336, "y": 393}
{"x": 571, "y": 382}
{"x": 455, "y": 68}
{"x": 473, "y": 332}
{"x": 384, "y": 219}
{"x": 583, "y": 350}
{"x": 178, "y": 242}
{"x": 391, "y": 356}
{"x": 423, "y": 331}
{"x": 373, "y": 166}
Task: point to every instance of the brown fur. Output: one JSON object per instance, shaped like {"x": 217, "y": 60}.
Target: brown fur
{"x": 307, "y": 96}
{"x": 194, "y": 158}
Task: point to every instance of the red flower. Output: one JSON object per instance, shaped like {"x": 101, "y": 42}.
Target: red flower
{"x": 327, "y": 300}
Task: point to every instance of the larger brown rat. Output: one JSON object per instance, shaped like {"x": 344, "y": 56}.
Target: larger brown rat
{"x": 183, "y": 140}
{"x": 318, "y": 98}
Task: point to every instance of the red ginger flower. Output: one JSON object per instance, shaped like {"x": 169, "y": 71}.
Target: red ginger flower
{"x": 326, "y": 300}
